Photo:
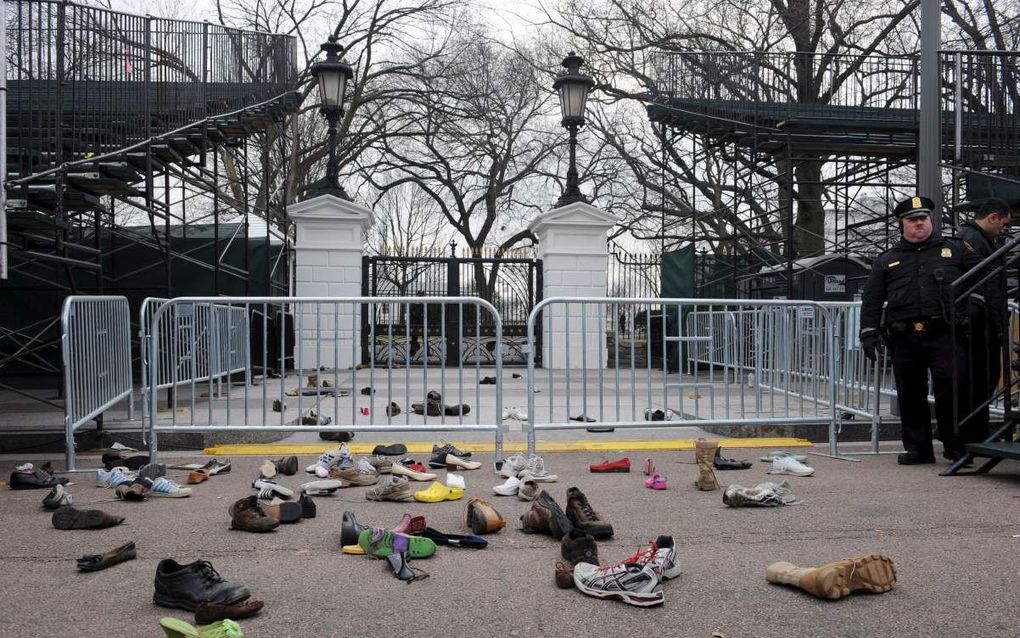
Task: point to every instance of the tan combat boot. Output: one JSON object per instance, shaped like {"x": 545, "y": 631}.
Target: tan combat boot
{"x": 872, "y": 573}
{"x": 704, "y": 452}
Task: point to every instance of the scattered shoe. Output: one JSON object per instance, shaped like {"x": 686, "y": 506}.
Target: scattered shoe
{"x": 512, "y": 465}
{"x": 57, "y": 498}
{"x": 633, "y": 583}
{"x": 487, "y": 381}
{"x": 278, "y": 406}
{"x": 400, "y": 564}
{"x": 648, "y": 467}
{"x": 564, "y": 575}
{"x": 438, "y": 492}
{"x": 449, "y": 448}
{"x": 659, "y": 415}
{"x": 288, "y": 465}
{"x": 270, "y": 489}
{"x": 621, "y": 465}
{"x": 381, "y": 543}
{"x": 328, "y": 460}
{"x": 509, "y": 488}
{"x": 720, "y": 462}
{"x": 791, "y": 466}
{"x": 164, "y": 487}
{"x": 455, "y": 462}
{"x": 657, "y": 482}
{"x": 915, "y": 458}
{"x": 873, "y": 573}
{"x": 382, "y": 465}
{"x": 96, "y": 562}
{"x": 267, "y": 470}
{"x": 469, "y": 541}
{"x": 322, "y": 488}
{"x": 308, "y": 509}
{"x": 112, "y": 478}
{"x": 283, "y": 511}
{"x": 546, "y": 517}
{"x": 704, "y": 452}
{"x": 664, "y": 561}
{"x": 582, "y": 515}
{"x": 583, "y": 418}
{"x": 483, "y": 518}
{"x": 208, "y": 613}
{"x": 393, "y": 409}
{"x": 198, "y": 476}
{"x": 411, "y": 525}
{"x": 350, "y": 529}
{"x": 247, "y": 515}
{"x": 352, "y": 549}
{"x": 761, "y": 495}
{"x": 361, "y": 475}
{"x": 579, "y": 547}
{"x": 534, "y": 467}
{"x": 394, "y": 488}
{"x": 152, "y": 471}
{"x": 401, "y": 470}
{"x": 134, "y": 491}
{"x": 395, "y": 449}
{"x": 455, "y": 480}
{"x": 111, "y": 461}
{"x": 528, "y": 491}
{"x": 175, "y": 628}
{"x": 72, "y": 518}
{"x": 368, "y": 391}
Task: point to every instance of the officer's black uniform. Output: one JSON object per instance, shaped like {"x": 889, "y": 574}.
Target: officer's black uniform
{"x": 988, "y": 320}
{"x": 915, "y": 281}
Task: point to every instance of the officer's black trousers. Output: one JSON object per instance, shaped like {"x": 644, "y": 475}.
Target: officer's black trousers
{"x": 984, "y": 356}
{"x": 913, "y": 355}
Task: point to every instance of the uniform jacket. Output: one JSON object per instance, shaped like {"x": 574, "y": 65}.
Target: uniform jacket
{"x": 994, "y": 291}
{"x": 915, "y": 281}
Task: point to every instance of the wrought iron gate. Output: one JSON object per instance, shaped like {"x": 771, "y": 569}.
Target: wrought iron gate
{"x": 433, "y": 334}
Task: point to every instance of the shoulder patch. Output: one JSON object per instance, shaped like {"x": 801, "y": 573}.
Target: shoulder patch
{"x": 947, "y": 252}
{"x": 893, "y": 264}
{"x": 969, "y": 246}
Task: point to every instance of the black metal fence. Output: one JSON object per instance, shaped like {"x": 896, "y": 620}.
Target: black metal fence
{"x": 83, "y": 81}
{"x": 513, "y": 284}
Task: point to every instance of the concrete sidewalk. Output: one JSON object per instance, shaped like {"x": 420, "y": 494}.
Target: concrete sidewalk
{"x": 951, "y": 538}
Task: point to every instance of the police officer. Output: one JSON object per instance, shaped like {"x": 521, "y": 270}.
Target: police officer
{"x": 913, "y": 279}
{"x": 988, "y": 314}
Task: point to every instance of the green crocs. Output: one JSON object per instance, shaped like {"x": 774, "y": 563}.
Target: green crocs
{"x": 772, "y": 456}
{"x": 381, "y": 543}
{"x": 175, "y": 628}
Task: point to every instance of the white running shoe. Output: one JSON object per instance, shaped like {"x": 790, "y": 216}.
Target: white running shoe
{"x": 163, "y": 486}
{"x": 634, "y": 583}
{"x": 268, "y": 489}
{"x": 455, "y": 480}
{"x": 790, "y": 465}
{"x": 664, "y": 560}
{"x": 512, "y": 465}
{"x": 509, "y": 488}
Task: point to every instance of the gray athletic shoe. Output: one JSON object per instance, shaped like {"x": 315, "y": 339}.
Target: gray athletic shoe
{"x": 393, "y": 488}
{"x": 761, "y": 495}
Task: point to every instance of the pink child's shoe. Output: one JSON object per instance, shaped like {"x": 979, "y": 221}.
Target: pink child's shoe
{"x": 657, "y": 482}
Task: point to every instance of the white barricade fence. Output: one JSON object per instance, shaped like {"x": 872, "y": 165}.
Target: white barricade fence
{"x": 95, "y": 335}
{"x": 748, "y": 362}
{"x": 316, "y": 395}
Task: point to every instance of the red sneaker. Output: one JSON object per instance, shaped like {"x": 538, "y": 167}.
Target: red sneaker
{"x": 622, "y": 465}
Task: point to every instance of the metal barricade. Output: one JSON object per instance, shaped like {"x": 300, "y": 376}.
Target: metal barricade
{"x": 783, "y": 376}
{"x": 95, "y": 335}
{"x": 210, "y": 339}
{"x": 329, "y": 348}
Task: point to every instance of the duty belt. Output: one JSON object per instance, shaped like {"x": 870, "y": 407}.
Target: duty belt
{"x": 918, "y": 325}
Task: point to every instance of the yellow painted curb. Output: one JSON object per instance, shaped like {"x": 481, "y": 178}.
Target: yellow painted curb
{"x": 314, "y": 449}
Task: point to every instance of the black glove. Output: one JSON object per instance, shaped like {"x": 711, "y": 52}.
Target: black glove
{"x": 869, "y": 345}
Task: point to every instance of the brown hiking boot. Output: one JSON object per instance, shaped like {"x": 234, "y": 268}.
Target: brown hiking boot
{"x": 248, "y": 516}
{"x": 581, "y": 514}
{"x": 704, "y": 453}
{"x": 873, "y": 573}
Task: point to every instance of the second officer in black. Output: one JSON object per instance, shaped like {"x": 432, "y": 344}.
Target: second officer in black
{"x": 913, "y": 280}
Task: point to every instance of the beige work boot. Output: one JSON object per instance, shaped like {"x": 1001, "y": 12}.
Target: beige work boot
{"x": 872, "y": 573}
{"x": 704, "y": 452}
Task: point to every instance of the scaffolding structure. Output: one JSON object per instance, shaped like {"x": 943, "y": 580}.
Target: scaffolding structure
{"x": 145, "y": 157}
{"x": 810, "y": 152}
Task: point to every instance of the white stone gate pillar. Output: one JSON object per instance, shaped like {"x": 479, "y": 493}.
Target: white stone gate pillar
{"x": 574, "y": 253}
{"x": 327, "y": 255}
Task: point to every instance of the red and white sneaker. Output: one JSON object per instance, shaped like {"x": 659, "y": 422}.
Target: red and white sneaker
{"x": 635, "y": 582}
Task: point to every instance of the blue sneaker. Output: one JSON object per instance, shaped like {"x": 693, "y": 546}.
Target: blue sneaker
{"x": 111, "y": 478}
{"x": 165, "y": 487}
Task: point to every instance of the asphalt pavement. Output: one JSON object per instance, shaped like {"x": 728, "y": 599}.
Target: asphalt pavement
{"x": 952, "y": 540}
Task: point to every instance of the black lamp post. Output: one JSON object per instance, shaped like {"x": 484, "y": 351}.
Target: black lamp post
{"x": 573, "y": 87}
{"x": 332, "y": 75}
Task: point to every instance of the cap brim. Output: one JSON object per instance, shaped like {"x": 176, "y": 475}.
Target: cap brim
{"x": 914, "y": 214}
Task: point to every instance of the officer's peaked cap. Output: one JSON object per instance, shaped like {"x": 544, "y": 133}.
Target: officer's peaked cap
{"x": 912, "y": 207}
